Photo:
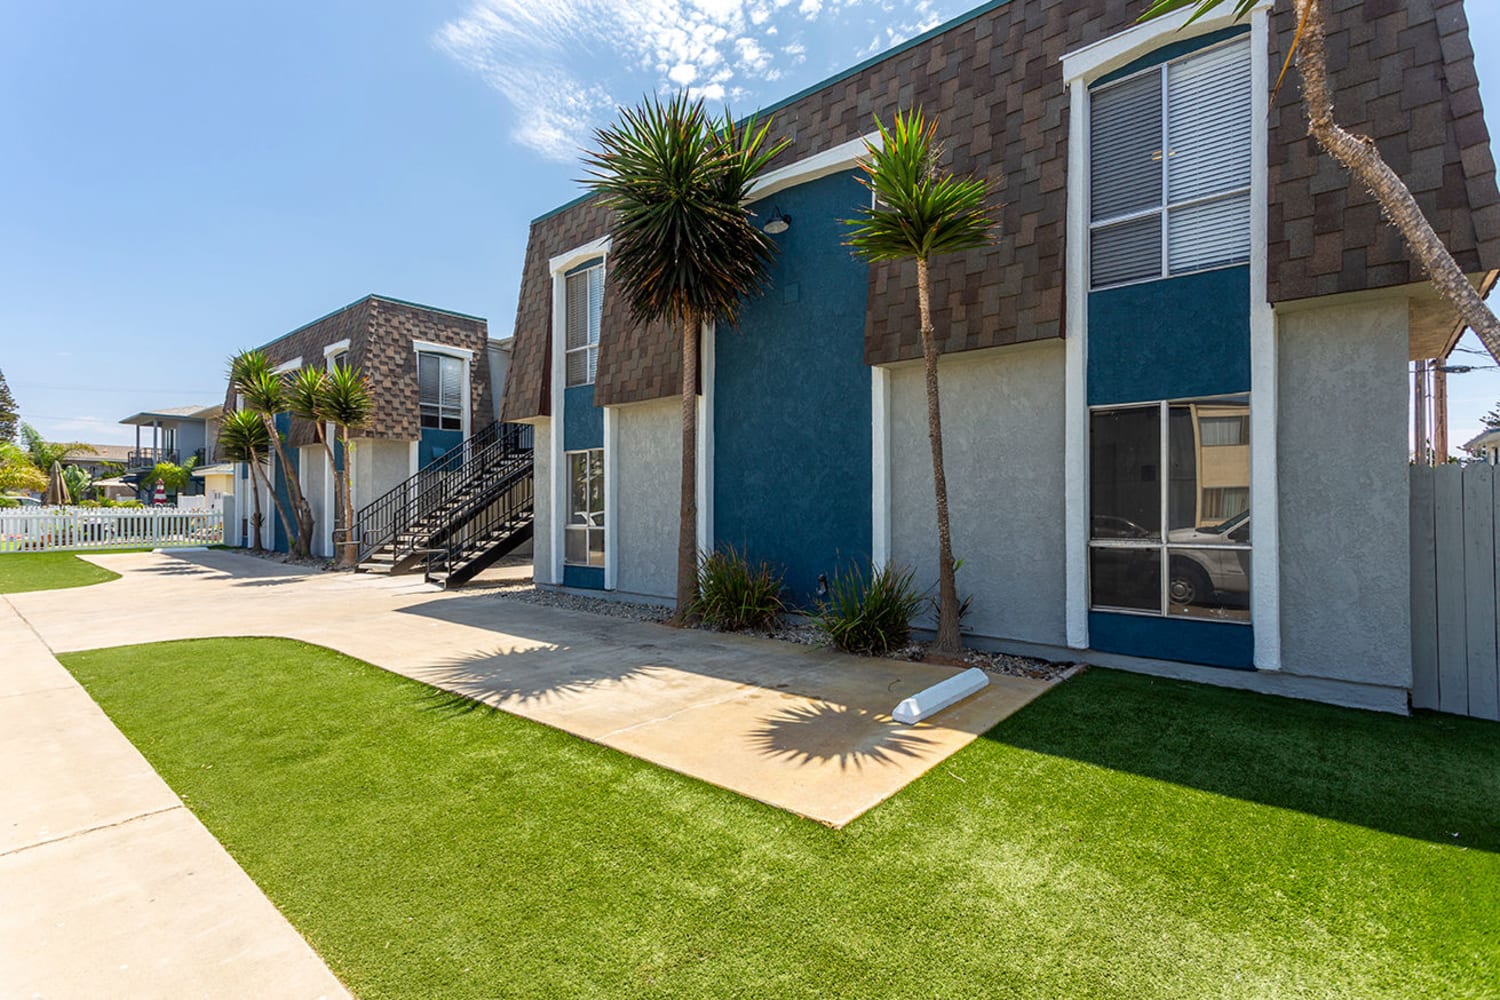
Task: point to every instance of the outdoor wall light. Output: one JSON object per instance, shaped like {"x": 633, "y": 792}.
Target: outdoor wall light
{"x": 778, "y": 223}
{"x": 822, "y": 591}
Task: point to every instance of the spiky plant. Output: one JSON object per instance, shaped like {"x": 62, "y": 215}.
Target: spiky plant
{"x": 242, "y": 438}
{"x": 265, "y": 393}
{"x": 921, "y": 211}
{"x": 346, "y": 402}
{"x": 684, "y": 248}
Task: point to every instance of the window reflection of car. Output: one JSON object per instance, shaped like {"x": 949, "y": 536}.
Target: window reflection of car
{"x": 1109, "y": 526}
{"x": 1214, "y": 575}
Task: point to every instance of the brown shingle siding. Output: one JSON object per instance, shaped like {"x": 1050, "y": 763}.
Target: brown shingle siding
{"x": 1403, "y": 74}
{"x": 381, "y": 332}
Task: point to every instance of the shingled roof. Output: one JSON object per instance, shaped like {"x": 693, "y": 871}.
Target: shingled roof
{"x": 1404, "y": 74}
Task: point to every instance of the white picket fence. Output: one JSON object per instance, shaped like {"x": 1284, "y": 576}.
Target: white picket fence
{"x": 58, "y": 529}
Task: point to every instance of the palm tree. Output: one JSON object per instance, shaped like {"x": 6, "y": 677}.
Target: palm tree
{"x": 265, "y": 393}
{"x": 242, "y": 438}
{"x": 1359, "y": 155}
{"x": 304, "y": 395}
{"x": 44, "y": 454}
{"x": 684, "y": 248}
{"x": 921, "y": 211}
{"x": 346, "y": 402}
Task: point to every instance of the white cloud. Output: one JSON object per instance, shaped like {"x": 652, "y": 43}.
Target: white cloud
{"x": 561, "y": 64}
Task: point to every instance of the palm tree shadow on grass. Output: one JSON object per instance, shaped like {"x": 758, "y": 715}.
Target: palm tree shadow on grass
{"x": 1429, "y": 777}
{"x": 823, "y": 732}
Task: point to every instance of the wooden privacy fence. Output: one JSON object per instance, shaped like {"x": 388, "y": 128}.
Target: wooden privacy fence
{"x": 1455, "y": 590}
{"x": 55, "y": 529}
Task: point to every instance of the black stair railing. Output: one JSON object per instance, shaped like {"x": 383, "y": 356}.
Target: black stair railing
{"x": 500, "y": 514}
{"x": 441, "y": 484}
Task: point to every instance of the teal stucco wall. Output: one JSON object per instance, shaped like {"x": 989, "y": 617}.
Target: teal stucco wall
{"x": 792, "y": 399}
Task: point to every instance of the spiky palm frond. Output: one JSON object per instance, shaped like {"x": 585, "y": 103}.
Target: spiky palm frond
{"x": 243, "y": 437}
{"x": 304, "y": 393}
{"x": 252, "y": 375}
{"x": 346, "y": 399}
{"x": 920, "y": 210}
{"x": 683, "y": 244}
{"x": 44, "y": 454}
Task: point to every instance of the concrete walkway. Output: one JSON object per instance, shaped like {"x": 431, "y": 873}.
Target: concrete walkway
{"x": 110, "y": 887}
{"x": 800, "y": 728}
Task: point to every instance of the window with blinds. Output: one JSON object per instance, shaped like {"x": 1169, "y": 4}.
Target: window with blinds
{"x": 1169, "y": 168}
{"x": 440, "y": 386}
{"x": 585, "y": 310}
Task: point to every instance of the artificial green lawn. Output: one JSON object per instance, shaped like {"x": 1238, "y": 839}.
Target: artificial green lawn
{"x": 25, "y": 571}
{"x": 1122, "y": 836}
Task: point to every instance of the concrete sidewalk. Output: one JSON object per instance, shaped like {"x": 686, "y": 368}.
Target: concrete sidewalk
{"x": 111, "y": 888}
{"x": 797, "y": 727}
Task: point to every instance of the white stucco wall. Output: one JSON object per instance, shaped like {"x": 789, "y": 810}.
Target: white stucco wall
{"x": 541, "y": 558}
{"x": 1344, "y": 488}
{"x": 312, "y": 473}
{"x": 378, "y": 466}
{"x": 1002, "y": 415}
{"x": 649, "y": 466}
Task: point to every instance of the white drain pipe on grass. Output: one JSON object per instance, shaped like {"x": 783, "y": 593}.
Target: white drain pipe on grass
{"x": 926, "y": 703}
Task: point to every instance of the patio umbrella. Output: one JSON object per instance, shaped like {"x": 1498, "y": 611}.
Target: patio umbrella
{"x": 57, "y": 488}
{"x": 160, "y": 496}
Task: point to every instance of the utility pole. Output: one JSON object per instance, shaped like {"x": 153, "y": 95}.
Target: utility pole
{"x": 1420, "y": 454}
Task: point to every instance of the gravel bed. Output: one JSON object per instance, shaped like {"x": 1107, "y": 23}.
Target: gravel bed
{"x": 799, "y": 631}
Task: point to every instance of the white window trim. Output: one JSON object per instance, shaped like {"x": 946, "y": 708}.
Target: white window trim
{"x": 288, "y": 366}
{"x": 1167, "y": 206}
{"x": 1163, "y": 544}
{"x": 464, "y": 355}
{"x": 599, "y": 265}
{"x": 335, "y": 348}
{"x": 1080, "y": 68}
{"x": 835, "y": 160}
{"x": 557, "y": 266}
{"x": 604, "y": 471}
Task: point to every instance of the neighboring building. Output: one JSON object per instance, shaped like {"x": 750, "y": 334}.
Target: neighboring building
{"x": 1187, "y": 310}
{"x": 429, "y": 393}
{"x": 101, "y": 459}
{"x": 175, "y": 434}
{"x": 1486, "y": 446}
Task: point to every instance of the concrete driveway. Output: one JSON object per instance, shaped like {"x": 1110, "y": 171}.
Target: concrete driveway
{"x": 799, "y": 728}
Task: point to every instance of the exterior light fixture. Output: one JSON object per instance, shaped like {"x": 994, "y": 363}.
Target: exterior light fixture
{"x": 822, "y": 591}
{"x": 778, "y": 223}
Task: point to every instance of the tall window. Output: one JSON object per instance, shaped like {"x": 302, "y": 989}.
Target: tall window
{"x": 1169, "y": 167}
{"x": 583, "y": 538}
{"x": 440, "y": 383}
{"x": 585, "y": 309}
{"x": 1169, "y": 493}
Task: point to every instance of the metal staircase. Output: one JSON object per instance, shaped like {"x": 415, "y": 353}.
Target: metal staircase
{"x": 456, "y": 515}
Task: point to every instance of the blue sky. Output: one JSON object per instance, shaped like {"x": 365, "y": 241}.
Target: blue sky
{"x": 183, "y": 179}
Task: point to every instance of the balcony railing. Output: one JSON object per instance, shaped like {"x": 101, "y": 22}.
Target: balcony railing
{"x": 145, "y": 458}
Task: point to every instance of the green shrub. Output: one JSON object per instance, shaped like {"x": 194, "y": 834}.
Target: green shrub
{"x": 734, "y": 594}
{"x": 8, "y": 502}
{"x": 870, "y": 613}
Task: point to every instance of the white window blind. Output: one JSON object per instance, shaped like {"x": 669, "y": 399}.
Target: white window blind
{"x": 440, "y": 388}
{"x": 1154, "y": 213}
{"x": 584, "y": 302}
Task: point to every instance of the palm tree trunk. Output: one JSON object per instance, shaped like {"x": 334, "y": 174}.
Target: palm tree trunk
{"x": 948, "y": 638}
{"x": 1359, "y": 156}
{"x": 258, "y": 475}
{"x": 349, "y": 551}
{"x": 338, "y": 510}
{"x": 302, "y": 538}
{"x": 687, "y": 527}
